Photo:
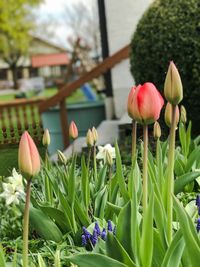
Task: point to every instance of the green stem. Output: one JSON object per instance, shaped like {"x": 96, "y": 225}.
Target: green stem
{"x": 26, "y": 225}
{"x": 145, "y": 162}
{"x": 46, "y": 158}
{"x": 89, "y": 156}
{"x": 110, "y": 182}
{"x": 170, "y": 175}
{"x": 95, "y": 163}
{"x": 134, "y": 136}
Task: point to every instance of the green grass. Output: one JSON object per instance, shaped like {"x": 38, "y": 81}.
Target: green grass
{"x": 77, "y": 96}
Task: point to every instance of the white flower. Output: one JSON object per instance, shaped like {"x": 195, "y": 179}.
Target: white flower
{"x": 16, "y": 181}
{"x": 102, "y": 152}
{"x": 14, "y": 189}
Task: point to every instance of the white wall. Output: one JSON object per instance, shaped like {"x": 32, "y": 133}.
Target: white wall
{"x": 122, "y": 17}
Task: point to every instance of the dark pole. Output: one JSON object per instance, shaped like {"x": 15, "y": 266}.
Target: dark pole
{"x": 104, "y": 45}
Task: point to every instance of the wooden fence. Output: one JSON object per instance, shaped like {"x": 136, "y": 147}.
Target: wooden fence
{"x": 16, "y": 117}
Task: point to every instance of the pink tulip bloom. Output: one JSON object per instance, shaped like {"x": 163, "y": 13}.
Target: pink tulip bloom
{"x": 146, "y": 104}
{"x": 28, "y": 156}
{"x": 73, "y": 131}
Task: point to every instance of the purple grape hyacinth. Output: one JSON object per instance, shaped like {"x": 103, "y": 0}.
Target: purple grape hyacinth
{"x": 198, "y": 225}
{"x": 92, "y": 239}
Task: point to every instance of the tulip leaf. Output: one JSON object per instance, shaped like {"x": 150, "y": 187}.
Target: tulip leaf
{"x": 2, "y": 258}
{"x": 101, "y": 178}
{"x": 85, "y": 183}
{"x": 94, "y": 260}
{"x": 71, "y": 185}
{"x": 100, "y": 202}
{"x": 193, "y": 157}
{"x": 189, "y": 233}
{"x": 174, "y": 253}
{"x": 41, "y": 262}
{"x": 116, "y": 251}
{"x": 183, "y": 180}
{"x": 58, "y": 216}
{"x": 147, "y": 234}
{"x": 124, "y": 228}
{"x": 158, "y": 249}
{"x": 44, "y": 226}
{"x": 120, "y": 176}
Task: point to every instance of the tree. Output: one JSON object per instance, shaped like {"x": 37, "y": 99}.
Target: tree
{"x": 16, "y": 24}
{"x": 83, "y": 22}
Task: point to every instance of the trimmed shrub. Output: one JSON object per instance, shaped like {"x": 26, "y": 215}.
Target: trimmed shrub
{"x": 170, "y": 30}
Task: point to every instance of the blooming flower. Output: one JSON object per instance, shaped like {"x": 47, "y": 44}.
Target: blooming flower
{"x": 198, "y": 224}
{"x": 103, "y": 150}
{"x": 110, "y": 226}
{"x": 14, "y": 189}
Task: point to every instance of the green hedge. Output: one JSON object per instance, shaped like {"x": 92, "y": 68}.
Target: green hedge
{"x": 170, "y": 30}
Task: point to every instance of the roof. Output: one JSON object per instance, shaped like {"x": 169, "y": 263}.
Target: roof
{"x": 48, "y": 43}
{"x": 49, "y": 60}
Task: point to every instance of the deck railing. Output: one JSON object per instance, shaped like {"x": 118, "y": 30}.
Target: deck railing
{"x": 17, "y": 116}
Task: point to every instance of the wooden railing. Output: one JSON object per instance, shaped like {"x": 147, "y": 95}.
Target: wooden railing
{"x": 16, "y": 117}
{"x": 68, "y": 89}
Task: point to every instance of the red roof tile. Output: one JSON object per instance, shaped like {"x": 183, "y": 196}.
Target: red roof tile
{"x": 49, "y": 60}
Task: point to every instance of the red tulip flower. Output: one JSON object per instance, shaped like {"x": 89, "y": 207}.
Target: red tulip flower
{"x": 146, "y": 104}
{"x": 28, "y": 156}
{"x": 73, "y": 131}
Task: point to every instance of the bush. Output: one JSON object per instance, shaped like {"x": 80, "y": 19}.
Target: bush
{"x": 170, "y": 30}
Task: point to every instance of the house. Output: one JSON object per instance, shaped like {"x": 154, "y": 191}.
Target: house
{"x": 44, "y": 59}
{"x": 118, "y": 20}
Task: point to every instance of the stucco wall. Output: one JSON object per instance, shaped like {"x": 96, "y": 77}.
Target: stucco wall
{"x": 122, "y": 18}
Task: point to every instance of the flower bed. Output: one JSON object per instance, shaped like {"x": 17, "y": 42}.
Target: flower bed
{"x": 101, "y": 212}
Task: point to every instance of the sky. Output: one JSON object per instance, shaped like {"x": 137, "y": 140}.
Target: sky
{"x": 52, "y": 13}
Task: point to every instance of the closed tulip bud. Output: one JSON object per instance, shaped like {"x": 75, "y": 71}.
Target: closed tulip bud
{"x": 95, "y": 134}
{"x": 146, "y": 104}
{"x": 61, "y": 157}
{"x": 183, "y": 115}
{"x": 130, "y": 99}
{"x": 28, "y": 156}
{"x": 89, "y": 138}
{"x": 73, "y": 131}
{"x": 109, "y": 159}
{"x": 46, "y": 138}
{"x": 173, "y": 88}
{"x": 168, "y": 114}
{"x": 156, "y": 130}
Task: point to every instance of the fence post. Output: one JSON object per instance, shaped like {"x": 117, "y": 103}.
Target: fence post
{"x": 64, "y": 120}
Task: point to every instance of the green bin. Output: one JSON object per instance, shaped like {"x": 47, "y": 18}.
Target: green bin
{"x": 85, "y": 115}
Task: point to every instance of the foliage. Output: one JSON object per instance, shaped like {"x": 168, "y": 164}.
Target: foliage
{"x": 16, "y": 23}
{"x": 169, "y": 30}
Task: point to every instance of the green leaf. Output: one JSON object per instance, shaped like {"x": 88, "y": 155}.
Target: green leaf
{"x": 85, "y": 183}
{"x": 189, "y": 233}
{"x": 116, "y": 209}
{"x": 71, "y": 185}
{"x": 174, "y": 253}
{"x": 41, "y": 261}
{"x": 94, "y": 260}
{"x": 183, "y": 180}
{"x": 119, "y": 173}
{"x": 158, "y": 249}
{"x": 116, "y": 251}
{"x": 192, "y": 159}
{"x": 44, "y": 226}
{"x": 2, "y": 259}
{"x": 147, "y": 234}
{"x": 101, "y": 178}
{"x": 124, "y": 229}
{"x": 100, "y": 202}
{"x": 58, "y": 216}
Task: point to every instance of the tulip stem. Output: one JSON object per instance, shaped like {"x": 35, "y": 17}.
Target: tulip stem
{"x": 170, "y": 175}
{"x": 26, "y": 224}
{"x": 95, "y": 163}
{"x": 145, "y": 162}
{"x": 134, "y": 136}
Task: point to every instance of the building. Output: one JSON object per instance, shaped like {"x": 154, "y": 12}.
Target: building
{"x": 118, "y": 20}
{"x": 45, "y": 60}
